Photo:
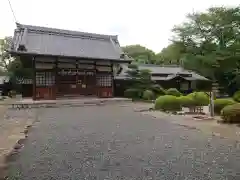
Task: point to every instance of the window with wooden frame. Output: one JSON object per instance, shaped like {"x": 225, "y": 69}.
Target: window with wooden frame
{"x": 104, "y": 80}
{"x": 45, "y": 79}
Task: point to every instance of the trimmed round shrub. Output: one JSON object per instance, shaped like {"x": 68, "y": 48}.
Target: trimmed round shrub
{"x": 148, "y": 95}
{"x": 173, "y": 92}
{"x": 199, "y": 98}
{"x": 219, "y": 104}
{"x": 231, "y": 113}
{"x": 132, "y": 93}
{"x": 168, "y": 103}
{"x": 186, "y": 101}
{"x": 158, "y": 90}
{"x": 236, "y": 96}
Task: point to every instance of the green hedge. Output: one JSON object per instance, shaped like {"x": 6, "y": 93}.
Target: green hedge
{"x": 173, "y": 92}
{"x": 199, "y": 98}
{"x": 236, "y": 96}
{"x": 148, "y": 95}
{"x": 231, "y": 113}
{"x": 186, "y": 101}
{"x": 168, "y": 103}
{"x": 219, "y": 104}
{"x": 133, "y": 93}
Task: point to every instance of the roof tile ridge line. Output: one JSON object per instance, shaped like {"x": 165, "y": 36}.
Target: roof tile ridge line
{"x": 69, "y": 32}
{"x": 68, "y": 35}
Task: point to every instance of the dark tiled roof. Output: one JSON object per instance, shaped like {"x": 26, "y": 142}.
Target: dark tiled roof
{"x": 170, "y": 72}
{"x": 58, "y": 42}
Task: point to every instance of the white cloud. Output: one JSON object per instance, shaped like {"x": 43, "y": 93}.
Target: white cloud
{"x": 135, "y": 21}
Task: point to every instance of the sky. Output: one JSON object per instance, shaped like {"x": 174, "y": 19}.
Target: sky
{"x": 145, "y": 22}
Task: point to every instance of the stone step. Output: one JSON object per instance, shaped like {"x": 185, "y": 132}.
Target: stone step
{"x": 66, "y": 102}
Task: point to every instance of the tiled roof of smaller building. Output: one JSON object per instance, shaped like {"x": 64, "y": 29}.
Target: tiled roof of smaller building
{"x": 58, "y": 42}
{"x": 171, "y": 71}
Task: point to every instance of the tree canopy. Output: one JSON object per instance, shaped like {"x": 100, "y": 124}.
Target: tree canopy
{"x": 171, "y": 54}
{"x": 207, "y": 42}
{"x": 5, "y": 57}
{"x": 140, "y": 53}
{"x": 211, "y": 44}
{"x": 9, "y": 65}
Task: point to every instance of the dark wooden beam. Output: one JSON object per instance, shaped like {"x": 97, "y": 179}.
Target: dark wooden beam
{"x": 102, "y": 65}
{"x": 45, "y": 62}
{"x": 95, "y": 66}
{"x": 113, "y": 90}
{"x": 14, "y": 53}
{"x": 77, "y": 62}
{"x": 34, "y": 77}
{"x": 189, "y": 85}
{"x": 56, "y": 76}
{"x": 96, "y": 74}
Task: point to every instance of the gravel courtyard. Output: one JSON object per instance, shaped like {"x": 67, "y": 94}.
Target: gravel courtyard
{"x": 114, "y": 142}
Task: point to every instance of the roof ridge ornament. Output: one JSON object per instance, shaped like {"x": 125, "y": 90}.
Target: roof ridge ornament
{"x": 23, "y": 42}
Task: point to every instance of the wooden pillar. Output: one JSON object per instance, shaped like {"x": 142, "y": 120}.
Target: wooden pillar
{"x": 178, "y": 84}
{"x": 34, "y": 77}
{"x": 56, "y": 77}
{"x": 189, "y": 85}
{"x": 96, "y": 86}
{"x": 76, "y": 67}
{"x": 113, "y": 91}
{"x": 77, "y": 76}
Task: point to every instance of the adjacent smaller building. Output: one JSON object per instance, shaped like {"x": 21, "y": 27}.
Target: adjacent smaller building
{"x": 168, "y": 76}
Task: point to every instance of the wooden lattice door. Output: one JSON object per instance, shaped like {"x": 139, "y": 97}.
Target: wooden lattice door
{"x": 67, "y": 84}
{"x": 80, "y": 82}
{"x": 86, "y": 83}
{"x": 105, "y": 85}
{"x": 45, "y": 85}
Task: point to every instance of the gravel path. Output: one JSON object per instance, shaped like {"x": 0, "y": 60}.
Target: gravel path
{"x": 114, "y": 142}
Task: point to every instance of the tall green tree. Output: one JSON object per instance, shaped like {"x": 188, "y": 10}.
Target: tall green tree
{"x": 211, "y": 44}
{"x": 171, "y": 54}
{"x": 5, "y": 57}
{"x": 140, "y": 53}
{"x": 11, "y": 66}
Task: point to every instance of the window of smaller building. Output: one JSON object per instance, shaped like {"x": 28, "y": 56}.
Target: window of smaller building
{"x": 193, "y": 85}
{"x": 184, "y": 86}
